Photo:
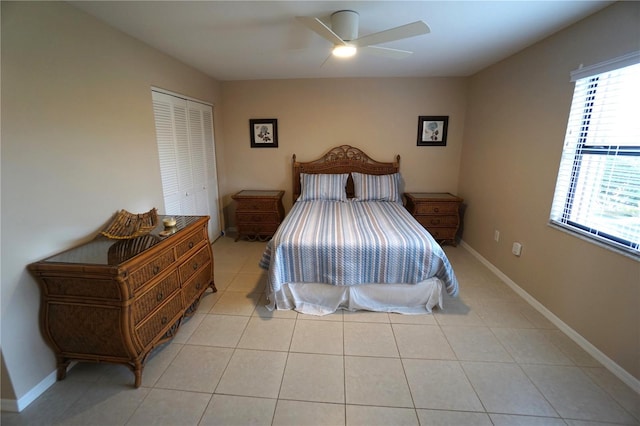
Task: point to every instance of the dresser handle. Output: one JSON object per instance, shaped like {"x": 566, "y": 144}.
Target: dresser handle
{"x": 190, "y": 244}
{"x": 156, "y": 269}
{"x": 436, "y": 209}
{"x": 435, "y": 221}
{"x": 195, "y": 266}
{"x": 159, "y": 297}
{"x": 198, "y": 286}
{"x": 164, "y": 320}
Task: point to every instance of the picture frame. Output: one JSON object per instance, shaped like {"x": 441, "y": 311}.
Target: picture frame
{"x": 264, "y": 132}
{"x": 432, "y": 130}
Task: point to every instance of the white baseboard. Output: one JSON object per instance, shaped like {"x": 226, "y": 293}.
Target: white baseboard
{"x": 17, "y": 405}
{"x": 607, "y": 362}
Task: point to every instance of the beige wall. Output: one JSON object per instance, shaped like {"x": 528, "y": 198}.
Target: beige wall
{"x": 78, "y": 144}
{"x": 516, "y": 119}
{"x": 377, "y": 115}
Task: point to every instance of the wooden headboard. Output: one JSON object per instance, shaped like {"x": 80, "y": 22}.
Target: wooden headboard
{"x": 342, "y": 159}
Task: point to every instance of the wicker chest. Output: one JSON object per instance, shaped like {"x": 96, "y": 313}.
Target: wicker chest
{"x": 258, "y": 213}
{"x": 115, "y": 300}
{"x": 438, "y": 212}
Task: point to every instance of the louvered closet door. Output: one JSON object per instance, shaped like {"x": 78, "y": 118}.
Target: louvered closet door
{"x": 184, "y": 132}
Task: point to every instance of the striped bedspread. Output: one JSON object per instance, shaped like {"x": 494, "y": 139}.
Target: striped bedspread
{"x": 347, "y": 243}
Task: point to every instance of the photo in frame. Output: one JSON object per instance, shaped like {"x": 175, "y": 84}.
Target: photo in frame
{"x": 432, "y": 130}
{"x": 264, "y": 132}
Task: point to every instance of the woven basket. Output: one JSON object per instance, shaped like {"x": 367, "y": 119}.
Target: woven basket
{"x": 131, "y": 225}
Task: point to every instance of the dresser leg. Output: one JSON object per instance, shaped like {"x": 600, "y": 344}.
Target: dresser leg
{"x": 63, "y": 363}
{"x": 138, "y": 374}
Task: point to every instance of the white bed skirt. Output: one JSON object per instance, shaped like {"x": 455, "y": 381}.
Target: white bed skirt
{"x": 324, "y": 299}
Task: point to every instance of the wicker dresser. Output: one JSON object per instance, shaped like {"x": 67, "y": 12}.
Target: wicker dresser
{"x": 258, "y": 213}
{"x": 438, "y": 212}
{"x": 115, "y": 300}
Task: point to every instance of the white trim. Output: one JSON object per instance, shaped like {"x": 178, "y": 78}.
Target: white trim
{"x": 181, "y": 96}
{"x": 22, "y": 403}
{"x": 607, "y": 362}
{"x": 612, "y": 64}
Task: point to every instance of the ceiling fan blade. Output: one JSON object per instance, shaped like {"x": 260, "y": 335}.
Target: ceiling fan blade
{"x": 385, "y": 52}
{"x": 321, "y": 29}
{"x": 404, "y": 31}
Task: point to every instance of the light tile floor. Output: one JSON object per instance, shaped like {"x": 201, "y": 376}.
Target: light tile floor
{"x": 487, "y": 359}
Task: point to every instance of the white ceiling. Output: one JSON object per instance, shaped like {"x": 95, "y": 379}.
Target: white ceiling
{"x": 249, "y": 40}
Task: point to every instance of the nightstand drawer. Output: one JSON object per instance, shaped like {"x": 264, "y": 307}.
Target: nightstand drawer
{"x": 253, "y": 205}
{"x": 434, "y": 221}
{"x": 258, "y": 213}
{"x": 436, "y": 208}
{"x": 438, "y": 212}
{"x": 258, "y": 228}
{"x": 442, "y": 233}
{"x": 257, "y": 217}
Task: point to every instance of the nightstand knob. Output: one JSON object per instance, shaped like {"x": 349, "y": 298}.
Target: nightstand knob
{"x": 436, "y": 209}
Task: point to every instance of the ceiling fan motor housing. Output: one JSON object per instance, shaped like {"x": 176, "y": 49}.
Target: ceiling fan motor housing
{"x": 345, "y": 24}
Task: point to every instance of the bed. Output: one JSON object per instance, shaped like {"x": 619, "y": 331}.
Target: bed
{"x": 349, "y": 243}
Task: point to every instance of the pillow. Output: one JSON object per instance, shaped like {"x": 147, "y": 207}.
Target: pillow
{"x": 376, "y": 187}
{"x": 328, "y": 187}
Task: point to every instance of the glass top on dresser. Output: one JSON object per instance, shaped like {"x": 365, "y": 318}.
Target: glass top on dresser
{"x": 105, "y": 251}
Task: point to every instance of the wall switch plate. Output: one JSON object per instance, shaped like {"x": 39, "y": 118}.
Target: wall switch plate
{"x": 516, "y": 249}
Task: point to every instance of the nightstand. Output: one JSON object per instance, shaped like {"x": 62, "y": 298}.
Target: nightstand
{"x": 438, "y": 212}
{"x": 258, "y": 213}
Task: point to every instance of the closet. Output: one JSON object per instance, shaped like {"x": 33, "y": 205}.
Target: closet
{"x": 186, "y": 149}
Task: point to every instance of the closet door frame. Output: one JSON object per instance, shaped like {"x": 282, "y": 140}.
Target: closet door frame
{"x": 188, "y": 190}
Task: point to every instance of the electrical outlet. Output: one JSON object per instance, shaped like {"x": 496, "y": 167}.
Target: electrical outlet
{"x": 496, "y": 235}
{"x": 516, "y": 249}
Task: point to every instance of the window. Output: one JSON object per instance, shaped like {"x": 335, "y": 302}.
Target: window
{"x": 598, "y": 188}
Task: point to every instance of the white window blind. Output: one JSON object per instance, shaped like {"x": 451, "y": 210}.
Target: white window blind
{"x": 598, "y": 187}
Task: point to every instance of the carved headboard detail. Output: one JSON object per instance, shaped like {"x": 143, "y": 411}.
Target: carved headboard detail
{"x": 342, "y": 159}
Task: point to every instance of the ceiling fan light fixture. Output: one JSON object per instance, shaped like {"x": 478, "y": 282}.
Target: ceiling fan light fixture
{"x": 344, "y": 51}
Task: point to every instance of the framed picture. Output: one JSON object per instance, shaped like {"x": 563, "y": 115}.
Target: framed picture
{"x": 264, "y": 132}
{"x": 432, "y": 130}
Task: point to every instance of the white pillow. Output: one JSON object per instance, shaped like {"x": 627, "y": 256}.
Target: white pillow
{"x": 376, "y": 187}
{"x": 328, "y": 187}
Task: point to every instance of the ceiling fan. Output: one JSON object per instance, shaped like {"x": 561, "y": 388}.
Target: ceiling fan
{"x": 344, "y": 35}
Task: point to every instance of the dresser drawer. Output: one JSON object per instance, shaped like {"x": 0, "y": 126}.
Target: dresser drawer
{"x": 77, "y": 287}
{"x": 195, "y": 264}
{"x": 151, "y": 328}
{"x": 151, "y": 269}
{"x": 258, "y": 217}
{"x": 436, "y": 208}
{"x": 196, "y": 285}
{"x": 156, "y": 295}
{"x": 435, "y": 221}
{"x": 190, "y": 242}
